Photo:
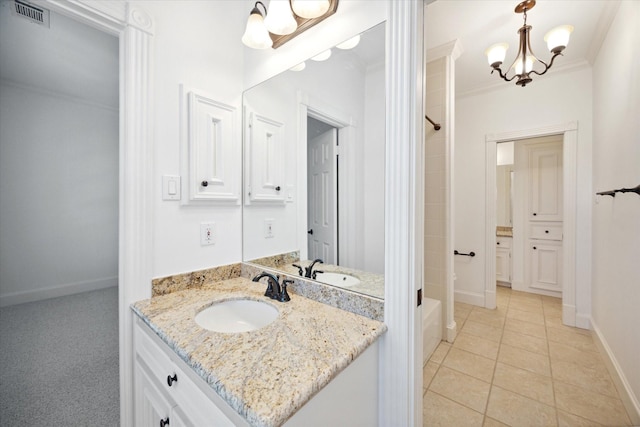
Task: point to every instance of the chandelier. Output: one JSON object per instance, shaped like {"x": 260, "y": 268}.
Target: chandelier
{"x": 523, "y": 66}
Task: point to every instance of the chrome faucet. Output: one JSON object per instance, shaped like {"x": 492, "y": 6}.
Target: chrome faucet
{"x": 274, "y": 291}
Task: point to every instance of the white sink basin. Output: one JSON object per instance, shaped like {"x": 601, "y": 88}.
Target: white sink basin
{"x": 337, "y": 279}
{"x": 238, "y": 315}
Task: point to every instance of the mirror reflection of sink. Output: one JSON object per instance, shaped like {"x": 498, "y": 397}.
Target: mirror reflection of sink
{"x": 238, "y": 315}
{"x": 337, "y": 279}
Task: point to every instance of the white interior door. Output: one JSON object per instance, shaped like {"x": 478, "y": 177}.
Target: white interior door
{"x": 321, "y": 194}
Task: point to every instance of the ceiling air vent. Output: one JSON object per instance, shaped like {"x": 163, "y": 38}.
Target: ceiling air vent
{"x": 30, "y": 12}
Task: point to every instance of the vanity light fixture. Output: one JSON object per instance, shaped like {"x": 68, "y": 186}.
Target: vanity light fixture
{"x": 322, "y": 56}
{"x": 349, "y": 44}
{"x": 284, "y": 20}
{"x": 523, "y": 66}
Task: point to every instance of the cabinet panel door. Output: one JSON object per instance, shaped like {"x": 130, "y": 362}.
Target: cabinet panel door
{"x": 151, "y": 404}
{"x": 264, "y": 160}
{"x": 546, "y": 265}
{"x": 545, "y": 181}
{"x": 503, "y": 264}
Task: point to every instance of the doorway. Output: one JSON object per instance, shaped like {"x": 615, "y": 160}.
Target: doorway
{"x": 322, "y": 191}
{"x": 567, "y": 132}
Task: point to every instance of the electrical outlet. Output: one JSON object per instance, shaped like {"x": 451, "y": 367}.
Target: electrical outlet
{"x": 207, "y": 233}
{"x": 268, "y": 228}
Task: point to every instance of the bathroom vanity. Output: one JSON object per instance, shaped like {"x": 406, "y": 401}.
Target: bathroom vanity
{"x": 313, "y": 365}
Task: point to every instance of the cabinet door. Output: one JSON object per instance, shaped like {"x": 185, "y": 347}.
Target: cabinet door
{"x": 545, "y": 181}
{"x": 546, "y": 265}
{"x": 264, "y": 160}
{"x": 152, "y": 405}
{"x": 503, "y": 264}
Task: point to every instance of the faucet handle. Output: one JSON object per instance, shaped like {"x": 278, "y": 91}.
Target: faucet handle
{"x": 300, "y": 272}
{"x": 284, "y": 296}
{"x": 313, "y": 276}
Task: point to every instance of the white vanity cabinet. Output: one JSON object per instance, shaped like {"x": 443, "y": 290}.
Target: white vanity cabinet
{"x": 166, "y": 388}
{"x": 503, "y": 259}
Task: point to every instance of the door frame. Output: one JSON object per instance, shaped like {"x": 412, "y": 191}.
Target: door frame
{"x": 334, "y": 190}
{"x": 134, "y": 28}
{"x": 569, "y": 132}
{"x": 345, "y": 125}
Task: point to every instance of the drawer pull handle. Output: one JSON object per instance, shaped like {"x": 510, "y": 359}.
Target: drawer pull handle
{"x": 535, "y": 214}
{"x": 497, "y": 243}
{"x": 535, "y": 247}
{"x": 546, "y": 231}
{"x": 170, "y": 380}
{"x": 164, "y": 422}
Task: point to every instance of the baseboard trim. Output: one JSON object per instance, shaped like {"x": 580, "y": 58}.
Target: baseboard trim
{"x": 469, "y": 298}
{"x": 629, "y": 399}
{"x": 451, "y": 332}
{"x": 56, "y": 291}
{"x": 583, "y": 321}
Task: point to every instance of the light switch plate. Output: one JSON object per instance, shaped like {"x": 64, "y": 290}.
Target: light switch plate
{"x": 170, "y": 187}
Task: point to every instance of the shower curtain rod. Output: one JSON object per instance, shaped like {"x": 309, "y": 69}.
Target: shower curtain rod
{"x": 436, "y": 126}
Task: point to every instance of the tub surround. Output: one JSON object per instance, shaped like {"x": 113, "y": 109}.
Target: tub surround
{"x": 342, "y": 298}
{"x": 268, "y": 374}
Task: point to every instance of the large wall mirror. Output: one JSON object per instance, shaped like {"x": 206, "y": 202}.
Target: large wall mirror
{"x": 314, "y": 155}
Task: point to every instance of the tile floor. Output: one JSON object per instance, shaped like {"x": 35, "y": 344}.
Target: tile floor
{"x": 519, "y": 366}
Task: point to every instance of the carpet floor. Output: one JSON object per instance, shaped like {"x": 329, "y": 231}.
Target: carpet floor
{"x": 59, "y": 361}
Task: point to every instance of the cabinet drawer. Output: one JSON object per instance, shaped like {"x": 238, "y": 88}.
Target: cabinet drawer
{"x": 503, "y": 242}
{"x": 547, "y": 231}
{"x": 160, "y": 365}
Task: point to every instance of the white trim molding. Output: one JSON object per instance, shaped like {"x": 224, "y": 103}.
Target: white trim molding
{"x": 400, "y": 370}
{"x": 569, "y": 131}
{"x": 134, "y": 28}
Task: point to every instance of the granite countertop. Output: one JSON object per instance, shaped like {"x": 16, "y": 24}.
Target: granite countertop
{"x": 268, "y": 374}
{"x": 503, "y": 231}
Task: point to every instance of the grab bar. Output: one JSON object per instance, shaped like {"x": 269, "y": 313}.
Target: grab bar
{"x": 612, "y": 193}
{"x": 436, "y": 126}
{"x": 471, "y": 254}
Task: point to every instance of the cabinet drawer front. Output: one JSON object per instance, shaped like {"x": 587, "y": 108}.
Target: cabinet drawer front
{"x": 503, "y": 242}
{"x": 157, "y": 360}
{"x": 546, "y": 231}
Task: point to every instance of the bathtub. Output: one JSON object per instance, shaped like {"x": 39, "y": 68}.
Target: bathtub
{"x": 431, "y": 326}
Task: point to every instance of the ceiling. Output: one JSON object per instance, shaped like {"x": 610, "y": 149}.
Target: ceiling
{"x": 478, "y": 24}
{"x": 69, "y": 58}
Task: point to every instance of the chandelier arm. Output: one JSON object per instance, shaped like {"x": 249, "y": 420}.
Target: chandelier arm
{"x": 504, "y": 76}
{"x": 546, "y": 67}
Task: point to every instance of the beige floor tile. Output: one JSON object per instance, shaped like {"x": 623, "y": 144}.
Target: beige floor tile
{"x": 516, "y": 410}
{"x": 470, "y": 364}
{"x": 462, "y": 307}
{"x": 428, "y": 372}
{"x": 490, "y": 422}
{"x": 572, "y": 338}
{"x": 526, "y": 305}
{"x": 524, "y": 359}
{"x": 547, "y": 300}
{"x": 525, "y": 295}
{"x": 483, "y": 331}
{"x": 566, "y": 419}
{"x": 495, "y": 320}
{"x": 526, "y": 316}
{"x": 502, "y": 301}
{"x": 526, "y": 342}
{"x": 567, "y": 353}
{"x": 468, "y": 391}
{"x": 460, "y": 321}
{"x": 438, "y": 411}
{"x": 592, "y": 406}
{"x": 596, "y": 380}
{"x": 440, "y": 352}
{"x": 556, "y": 322}
{"x": 477, "y": 345}
{"x": 527, "y": 328}
{"x": 526, "y": 383}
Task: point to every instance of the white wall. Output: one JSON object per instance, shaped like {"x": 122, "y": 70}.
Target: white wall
{"x": 197, "y": 43}
{"x": 616, "y": 221}
{"x": 553, "y": 99}
{"x": 58, "y": 194}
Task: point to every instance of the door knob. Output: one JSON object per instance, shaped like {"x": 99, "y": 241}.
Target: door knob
{"x": 310, "y": 232}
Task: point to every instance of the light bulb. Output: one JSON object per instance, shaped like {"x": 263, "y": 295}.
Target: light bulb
{"x": 496, "y": 54}
{"x": 279, "y": 18}
{"x": 310, "y": 8}
{"x": 558, "y": 38}
{"x": 349, "y": 44}
{"x": 256, "y": 35}
{"x": 528, "y": 64}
